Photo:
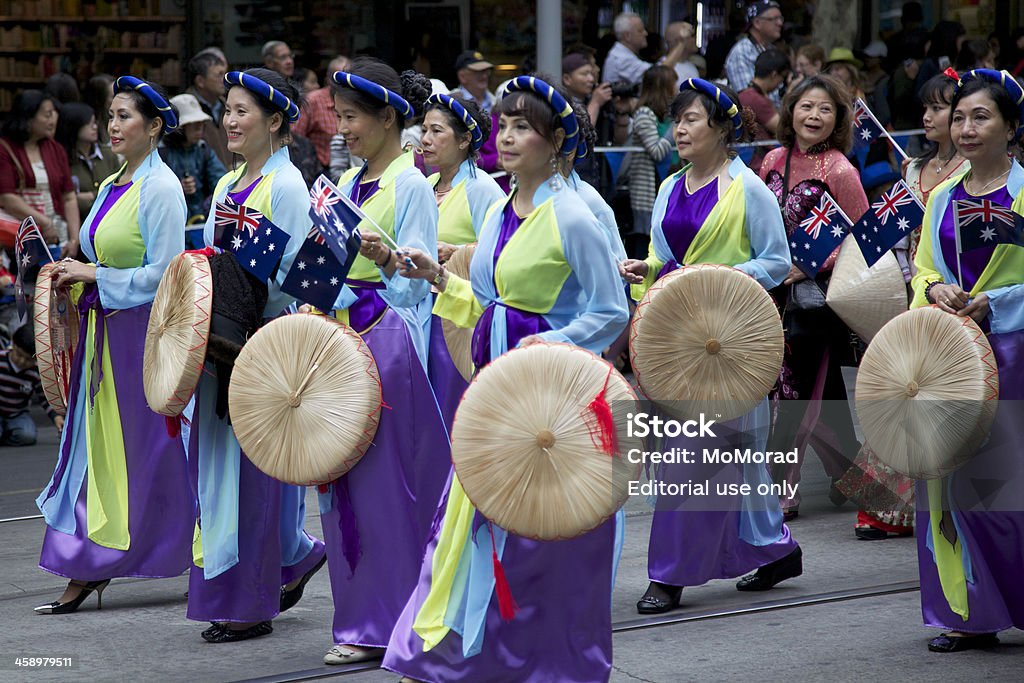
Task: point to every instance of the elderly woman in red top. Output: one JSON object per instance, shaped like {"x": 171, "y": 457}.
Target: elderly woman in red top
{"x": 35, "y": 177}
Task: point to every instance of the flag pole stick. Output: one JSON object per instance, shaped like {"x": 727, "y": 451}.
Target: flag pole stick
{"x": 841, "y": 212}
{"x": 364, "y": 216}
{"x": 956, "y": 232}
{"x": 893, "y": 142}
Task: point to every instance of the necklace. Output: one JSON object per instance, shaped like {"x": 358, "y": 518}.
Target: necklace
{"x": 941, "y": 163}
{"x": 704, "y": 181}
{"x": 978, "y": 193}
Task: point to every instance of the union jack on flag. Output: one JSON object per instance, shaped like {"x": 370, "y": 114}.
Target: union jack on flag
{"x": 232, "y": 217}
{"x": 29, "y": 250}
{"x": 983, "y": 223}
{"x": 865, "y": 126}
{"x": 819, "y": 216}
{"x": 888, "y": 206}
{"x": 322, "y": 196}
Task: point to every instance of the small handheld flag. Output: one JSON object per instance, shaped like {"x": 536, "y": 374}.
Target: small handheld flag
{"x": 29, "y": 250}
{"x": 254, "y": 240}
{"x": 887, "y": 221}
{"x": 867, "y": 129}
{"x": 982, "y": 223}
{"x": 318, "y": 272}
{"x": 818, "y": 235}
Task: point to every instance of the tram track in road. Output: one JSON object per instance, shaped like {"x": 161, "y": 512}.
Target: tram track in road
{"x": 629, "y": 625}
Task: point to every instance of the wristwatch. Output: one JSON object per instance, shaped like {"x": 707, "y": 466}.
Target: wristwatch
{"x": 437, "y": 278}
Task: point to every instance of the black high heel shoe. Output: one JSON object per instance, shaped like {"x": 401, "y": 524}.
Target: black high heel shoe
{"x": 289, "y": 598}
{"x": 87, "y": 589}
{"x": 659, "y": 598}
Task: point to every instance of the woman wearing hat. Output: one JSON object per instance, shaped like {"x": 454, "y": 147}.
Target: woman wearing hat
{"x": 377, "y": 517}
{"x": 252, "y": 558}
{"x": 971, "y": 560}
{"x": 543, "y": 269}
{"x": 118, "y": 503}
{"x": 453, "y": 131}
{"x": 714, "y": 210}
{"x": 815, "y": 130}
{"x": 191, "y": 159}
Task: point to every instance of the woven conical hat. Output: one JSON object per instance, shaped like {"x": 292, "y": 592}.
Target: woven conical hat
{"x": 55, "y": 324}
{"x": 706, "y": 339}
{"x": 305, "y": 399}
{"x": 459, "y": 340}
{"x": 178, "y": 331}
{"x": 926, "y": 394}
{"x": 526, "y": 443}
{"x": 866, "y": 298}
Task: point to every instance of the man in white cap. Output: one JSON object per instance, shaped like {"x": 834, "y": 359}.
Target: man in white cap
{"x": 191, "y": 159}
{"x": 474, "y": 73}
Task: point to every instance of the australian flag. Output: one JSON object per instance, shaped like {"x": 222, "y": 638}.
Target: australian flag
{"x": 865, "y": 127}
{"x": 887, "y": 221}
{"x": 818, "y": 235}
{"x": 981, "y": 223}
{"x": 319, "y": 270}
{"x": 29, "y": 250}
{"x": 255, "y": 241}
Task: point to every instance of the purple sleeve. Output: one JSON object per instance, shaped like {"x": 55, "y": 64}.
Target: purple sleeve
{"x": 489, "y": 150}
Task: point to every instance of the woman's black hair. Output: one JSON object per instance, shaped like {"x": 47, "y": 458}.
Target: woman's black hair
{"x": 943, "y": 37}
{"x": 73, "y": 116}
{"x": 1004, "y": 103}
{"x": 414, "y": 87}
{"x": 25, "y": 107}
{"x": 718, "y": 117}
{"x": 936, "y": 90}
{"x": 283, "y": 86}
{"x": 971, "y": 54}
{"x": 63, "y": 86}
{"x": 535, "y": 109}
{"x": 147, "y": 108}
{"x": 483, "y": 121}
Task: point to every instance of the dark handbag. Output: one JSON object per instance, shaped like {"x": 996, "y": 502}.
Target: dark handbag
{"x": 805, "y": 295}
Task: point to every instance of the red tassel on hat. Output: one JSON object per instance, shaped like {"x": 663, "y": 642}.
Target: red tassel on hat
{"x": 607, "y": 439}
{"x": 507, "y": 606}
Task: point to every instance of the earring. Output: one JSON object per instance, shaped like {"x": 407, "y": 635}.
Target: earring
{"x": 513, "y": 182}
{"x": 555, "y": 181}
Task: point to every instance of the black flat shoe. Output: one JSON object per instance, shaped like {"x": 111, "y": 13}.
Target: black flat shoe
{"x": 769, "y": 575}
{"x": 659, "y": 598}
{"x": 789, "y": 514}
{"x": 72, "y": 605}
{"x": 948, "y": 643}
{"x": 870, "y": 533}
{"x": 835, "y": 496}
{"x": 289, "y": 598}
{"x": 223, "y": 634}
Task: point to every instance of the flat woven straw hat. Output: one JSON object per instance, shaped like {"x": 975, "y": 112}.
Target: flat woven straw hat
{"x": 55, "y": 326}
{"x": 537, "y": 446}
{"x": 459, "y": 340}
{"x": 706, "y": 339}
{"x": 866, "y": 298}
{"x": 927, "y": 391}
{"x": 305, "y": 399}
{"x": 177, "y": 335}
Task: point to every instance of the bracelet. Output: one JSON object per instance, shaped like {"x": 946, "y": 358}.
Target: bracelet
{"x": 437, "y": 278}
{"x": 928, "y": 291}
{"x": 386, "y": 260}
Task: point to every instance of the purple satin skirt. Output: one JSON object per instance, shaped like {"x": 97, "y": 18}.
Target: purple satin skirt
{"x": 698, "y": 539}
{"x": 994, "y": 538}
{"x": 161, "y": 507}
{"x": 251, "y": 590}
{"x": 562, "y": 632}
{"x": 387, "y": 502}
{"x": 446, "y": 379}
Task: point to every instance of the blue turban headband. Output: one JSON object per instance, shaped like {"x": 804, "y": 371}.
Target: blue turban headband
{"x": 562, "y": 108}
{"x": 265, "y": 91}
{"x": 163, "y": 107}
{"x": 376, "y": 91}
{"x": 715, "y": 93}
{"x": 1004, "y": 79}
{"x": 476, "y": 135}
